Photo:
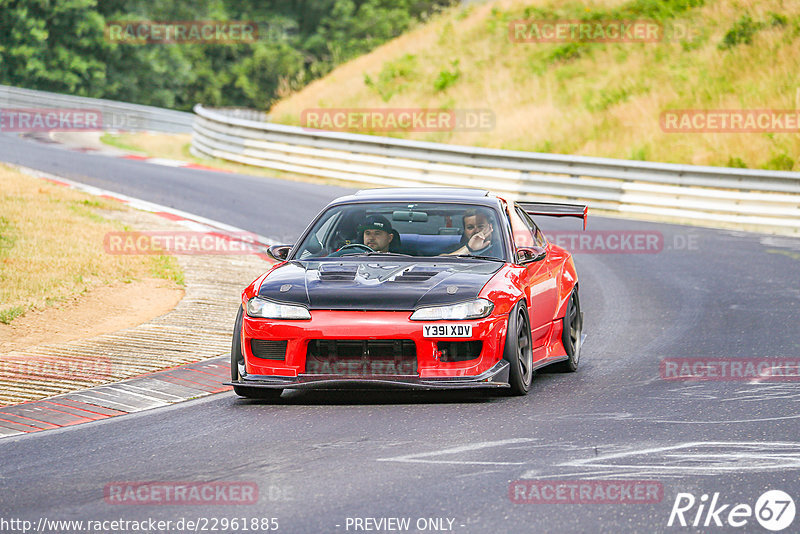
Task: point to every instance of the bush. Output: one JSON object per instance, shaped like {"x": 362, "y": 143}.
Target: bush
{"x": 742, "y": 31}
{"x": 736, "y": 163}
{"x": 391, "y": 80}
{"x": 447, "y": 78}
{"x": 567, "y": 52}
{"x": 662, "y": 9}
{"x": 776, "y": 19}
{"x": 781, "y": 162}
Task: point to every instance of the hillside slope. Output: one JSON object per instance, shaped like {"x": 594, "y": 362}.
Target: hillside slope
{"x": 597, "y": 99}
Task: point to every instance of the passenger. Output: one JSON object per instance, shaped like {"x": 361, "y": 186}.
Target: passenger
{"x": 477, "y": 235}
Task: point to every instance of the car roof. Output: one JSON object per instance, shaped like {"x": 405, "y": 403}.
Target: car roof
{"x": 420, "y": 194}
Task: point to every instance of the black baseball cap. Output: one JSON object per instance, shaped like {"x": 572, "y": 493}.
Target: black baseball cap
{"x": 376, "y": 222}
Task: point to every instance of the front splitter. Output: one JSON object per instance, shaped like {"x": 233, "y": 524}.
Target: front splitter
{"x": 496, "y": 377}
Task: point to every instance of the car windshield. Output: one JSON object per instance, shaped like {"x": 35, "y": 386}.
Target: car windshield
{"x": 411, "y": 229}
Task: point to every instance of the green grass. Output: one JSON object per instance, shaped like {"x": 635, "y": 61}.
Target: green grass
{"x": 9, "y": 314}
{"x": 394, "y": 78}
{"x": 83, "y": 209}
{"x": 115, "y": 141}
{"x": 7, "y": 236}
{"x": 447, "y": 77}
{"x": 167, "y": 267}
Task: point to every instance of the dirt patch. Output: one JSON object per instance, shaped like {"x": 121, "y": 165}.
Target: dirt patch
{"x": 101, "y": 310}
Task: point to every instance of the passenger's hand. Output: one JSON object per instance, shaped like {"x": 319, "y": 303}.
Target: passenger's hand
{"x": 481, "y": 239}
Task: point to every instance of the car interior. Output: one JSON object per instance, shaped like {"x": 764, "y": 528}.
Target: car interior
{"x": 419, "y": 230}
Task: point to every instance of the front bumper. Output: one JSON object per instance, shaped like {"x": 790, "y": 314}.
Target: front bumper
{"x": 496, "y": 377}
{"x": 431, "y": 371}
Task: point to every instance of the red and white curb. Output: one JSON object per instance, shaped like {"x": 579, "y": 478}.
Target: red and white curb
{"x": 149, "y": 391}
{"x": 174, "y": 163}
{"x": 145, "y": 392}
{"x": 91, "y": 143}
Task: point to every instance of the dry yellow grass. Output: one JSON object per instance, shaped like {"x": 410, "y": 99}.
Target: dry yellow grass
{"x": 161, "y": 145}
{"x": 605, "y": 102}
{"x": 51, "y": 246}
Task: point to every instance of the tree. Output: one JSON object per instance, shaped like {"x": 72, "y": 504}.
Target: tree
{"x": 52, "y": 46}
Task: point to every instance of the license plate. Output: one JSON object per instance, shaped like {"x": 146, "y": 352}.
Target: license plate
{"x": 447, "y": 330}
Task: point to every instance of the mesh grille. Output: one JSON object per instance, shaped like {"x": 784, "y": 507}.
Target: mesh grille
{"x": 362, "y": 357}
{"x": 268, "y": 349}
{"x": 459, "y": 351}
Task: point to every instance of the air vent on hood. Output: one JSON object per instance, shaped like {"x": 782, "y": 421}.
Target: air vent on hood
{"x": 337, "y": 275}
{"x": 414, "y": 276}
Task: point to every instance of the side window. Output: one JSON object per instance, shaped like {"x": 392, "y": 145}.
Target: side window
{"x": 538, "y": 236}
{"x": 315, "y": 243}
{"x": 523, "y": 236}
{"x": 526, "y": 233}
{"x": 324, "y": 231}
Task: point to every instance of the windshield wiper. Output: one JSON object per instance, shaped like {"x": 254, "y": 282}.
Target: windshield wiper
{"x": 477, "y": 257}
{"x": 388, "y": 254}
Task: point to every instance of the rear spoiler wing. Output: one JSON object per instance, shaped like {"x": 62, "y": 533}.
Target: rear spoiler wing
{"x": 553, "y": 209}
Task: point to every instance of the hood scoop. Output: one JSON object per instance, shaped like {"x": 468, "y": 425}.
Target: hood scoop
{"x": 413, "y": 276}
{"x": 338, "y": 273}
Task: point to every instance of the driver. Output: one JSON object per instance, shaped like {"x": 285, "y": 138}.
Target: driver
{"x": 377, "y": 233}
{"x": 477, "y": 232}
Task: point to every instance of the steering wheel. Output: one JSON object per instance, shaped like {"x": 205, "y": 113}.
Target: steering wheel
{"x": 482, "y": 251}
{"x": 352, "y": 246}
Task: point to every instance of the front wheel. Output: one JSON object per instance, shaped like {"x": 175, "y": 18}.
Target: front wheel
{"x": 518, "y": 351}
{"x": 237, "y": 367}
{"x": 572, "y": 330}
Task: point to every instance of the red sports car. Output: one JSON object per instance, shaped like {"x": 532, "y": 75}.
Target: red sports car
{"x": 434, "y": 288}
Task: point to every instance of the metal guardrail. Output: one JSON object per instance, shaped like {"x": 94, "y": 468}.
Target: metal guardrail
{"x": 754, "y": 198}
{"x": 116, "y": 115}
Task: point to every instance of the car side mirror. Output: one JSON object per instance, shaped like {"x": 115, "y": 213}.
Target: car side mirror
{"x": 530, "y": 254}
{"x": 279, "y": 252}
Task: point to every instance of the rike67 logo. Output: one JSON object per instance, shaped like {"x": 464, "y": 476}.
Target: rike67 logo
{"x": 774, "y": 510}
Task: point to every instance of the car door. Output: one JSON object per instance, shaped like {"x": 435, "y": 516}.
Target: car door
{"x": 538, "y": 279}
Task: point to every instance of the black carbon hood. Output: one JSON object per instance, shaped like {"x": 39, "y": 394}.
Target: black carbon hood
{"x": 378, "y": 285}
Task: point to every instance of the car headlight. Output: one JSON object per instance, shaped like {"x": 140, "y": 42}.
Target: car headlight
{"x": 258, "y": 307}
{"x": 474, "y": 309}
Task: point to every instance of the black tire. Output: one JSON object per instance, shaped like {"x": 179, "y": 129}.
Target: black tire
{"x": 236, "y": 347}
{"x": 572, "y": 330}
{"x": 518, "y": 351}
{"x": 237, "y": 365}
